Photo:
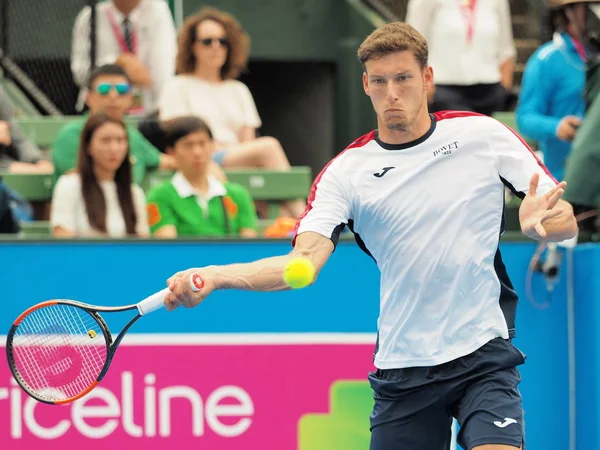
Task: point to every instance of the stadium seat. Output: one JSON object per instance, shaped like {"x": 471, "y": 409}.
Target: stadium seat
{"x": 33, "y": 187}
{"x": 43, "y": 130}
{"x": 271, "y": 186}
{"x": 266, "y": 185}
{"x": 41, "y": 228}
{"x": 38, "y": 228}
{"x": 262, "y": 184}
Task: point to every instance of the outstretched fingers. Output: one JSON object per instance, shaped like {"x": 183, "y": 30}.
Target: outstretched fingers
{"x": 540, "y": 230}
{"x": 533, "y": 184}
{"x": 554, "y": 195}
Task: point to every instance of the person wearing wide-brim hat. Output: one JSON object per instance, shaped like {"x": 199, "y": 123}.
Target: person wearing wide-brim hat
{"x": 551, "y": 104}
{"x": 569, "y": 14}
{"x": 561, "y": 3}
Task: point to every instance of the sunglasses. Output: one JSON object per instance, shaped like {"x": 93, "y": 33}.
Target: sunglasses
{"x": 105, "y": 88}
{"x": 207, "y": 42}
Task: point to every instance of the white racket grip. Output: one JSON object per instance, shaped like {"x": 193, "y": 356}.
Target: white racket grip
{"x": 154, "y": 302}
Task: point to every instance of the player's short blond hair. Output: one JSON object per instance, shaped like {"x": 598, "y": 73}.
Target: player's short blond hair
{"x": 391, "y": 38}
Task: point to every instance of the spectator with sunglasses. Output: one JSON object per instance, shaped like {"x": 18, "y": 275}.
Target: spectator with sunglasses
{"x": 193, "y": 202}
{"x": 109, "y": 93}
{"x": 213, "y": 50}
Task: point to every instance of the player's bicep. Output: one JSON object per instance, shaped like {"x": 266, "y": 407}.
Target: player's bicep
{"x": 329, "y": 207}
{"x": 517, "y": 162}
{"x": 315, "y": 247}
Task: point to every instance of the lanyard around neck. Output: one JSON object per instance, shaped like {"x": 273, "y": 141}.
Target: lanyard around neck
{"x": 119, "y": 33}
{"x": 468, "y": 11}
{"x": 580, "y": 49}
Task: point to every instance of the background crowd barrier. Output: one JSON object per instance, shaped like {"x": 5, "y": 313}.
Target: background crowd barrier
{"x": 267, "y": 370}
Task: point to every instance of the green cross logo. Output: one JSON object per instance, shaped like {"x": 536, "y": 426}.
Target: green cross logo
{"x": 346, "y": 426}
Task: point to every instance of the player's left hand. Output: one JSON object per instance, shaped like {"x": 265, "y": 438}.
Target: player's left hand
{"x": 181, "y": 288}
{"x": 535, "y": 210}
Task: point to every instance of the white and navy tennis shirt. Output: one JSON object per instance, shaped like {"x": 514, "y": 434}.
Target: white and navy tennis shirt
{"x": 430, "y": 213}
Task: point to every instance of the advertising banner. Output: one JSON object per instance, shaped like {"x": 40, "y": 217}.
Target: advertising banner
{"x": 182, "y": 391}
{"x": 275, "y": 346}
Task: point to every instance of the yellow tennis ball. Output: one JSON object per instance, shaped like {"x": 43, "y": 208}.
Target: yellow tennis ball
{"x": 299, "y": 273}
{"x": 92, "y": 334}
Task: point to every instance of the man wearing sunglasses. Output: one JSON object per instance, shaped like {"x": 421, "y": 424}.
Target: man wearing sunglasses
{"x": 109, "y": 92}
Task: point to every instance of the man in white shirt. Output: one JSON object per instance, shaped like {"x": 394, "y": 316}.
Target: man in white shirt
{"x": 472, "y": 50}
{"x": 138, "y": 35}
{"x": 423, "y": 195}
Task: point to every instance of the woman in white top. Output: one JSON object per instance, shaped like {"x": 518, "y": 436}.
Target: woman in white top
{"x": 471, "y": 51}
{"x": 99, "y": 198}
{"x": 213, "y": 50}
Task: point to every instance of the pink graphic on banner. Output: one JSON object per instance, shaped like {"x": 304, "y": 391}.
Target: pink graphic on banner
{"x": 59, "y": 365}
{"x": 195, "y": 396}
{"x": 58, "y": 371}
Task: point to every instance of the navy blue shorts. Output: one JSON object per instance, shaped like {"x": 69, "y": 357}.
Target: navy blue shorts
{"x": 414, "y": 406}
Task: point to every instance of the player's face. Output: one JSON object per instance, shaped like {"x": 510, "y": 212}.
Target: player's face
{"x": 398, "y": 89}
{"x": 211, "y": 46}
{"x": 109, "y": 147}
{"x": 109, "y": 95}
{"x": 193, "y": 152}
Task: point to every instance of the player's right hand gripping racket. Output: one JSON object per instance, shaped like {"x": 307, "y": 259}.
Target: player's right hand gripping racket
{"x": 59, "y": 350}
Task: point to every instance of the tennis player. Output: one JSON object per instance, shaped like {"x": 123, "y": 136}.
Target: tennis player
{"x": 424, "y": 196}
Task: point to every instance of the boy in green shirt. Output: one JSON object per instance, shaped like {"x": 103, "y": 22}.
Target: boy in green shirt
{"x": 193, "y": 202}
{"x": 110, "y": 93}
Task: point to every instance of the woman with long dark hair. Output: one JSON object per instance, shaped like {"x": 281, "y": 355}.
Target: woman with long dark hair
{"x": 99, "y": 197}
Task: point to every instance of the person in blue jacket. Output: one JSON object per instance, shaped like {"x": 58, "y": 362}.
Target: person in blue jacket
{"x": 551, "y": 104}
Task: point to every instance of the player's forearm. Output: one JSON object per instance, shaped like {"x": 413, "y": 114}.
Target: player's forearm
{"x": 267, "y": 274}
{"x": 262, "y": 275}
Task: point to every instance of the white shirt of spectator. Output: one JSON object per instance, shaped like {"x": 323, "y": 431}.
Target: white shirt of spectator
{"x": 455, "y": 59}
{"x": 226, "y": 107}
{"x": 68, "y": 208}
{"x": 156, "y": 44}
{"x": 430, "y": 213}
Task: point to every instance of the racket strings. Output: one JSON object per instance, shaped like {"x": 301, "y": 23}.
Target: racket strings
{"x": 56, "y": 350}
{"x": 95, "y": 354}
{"x": 59, "y": 351}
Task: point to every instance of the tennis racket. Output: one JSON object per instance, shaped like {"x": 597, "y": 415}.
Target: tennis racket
{"x": 59, "y": 350}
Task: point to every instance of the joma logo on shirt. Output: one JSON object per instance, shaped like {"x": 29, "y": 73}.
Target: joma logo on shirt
{"x": 446, "y": 149}
{"x": 383, "y": 172}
